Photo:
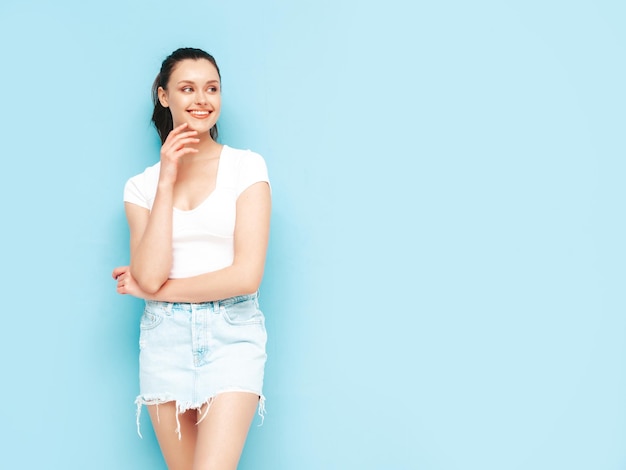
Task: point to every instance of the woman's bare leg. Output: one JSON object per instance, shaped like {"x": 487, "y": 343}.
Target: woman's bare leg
{"x": 178, "y": 453}
{"x": 223, "y": 431}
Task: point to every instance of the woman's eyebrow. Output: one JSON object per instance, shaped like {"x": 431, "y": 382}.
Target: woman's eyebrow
{"x": 191, "y": 81}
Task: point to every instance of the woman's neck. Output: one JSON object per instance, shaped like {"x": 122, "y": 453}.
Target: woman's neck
{"x": 207, "y": 149}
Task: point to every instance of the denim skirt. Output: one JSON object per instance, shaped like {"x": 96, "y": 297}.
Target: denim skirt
{"x": 191, "y": 352}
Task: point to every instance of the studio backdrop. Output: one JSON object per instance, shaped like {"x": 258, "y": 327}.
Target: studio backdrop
{"x": 444, "y": 288}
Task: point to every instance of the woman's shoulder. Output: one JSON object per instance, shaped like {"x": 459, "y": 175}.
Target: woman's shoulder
{"x": 149, "y": 172}
{"x": 151, "y": 169}
{"x": 240, "y": 156}
{"x": 243, "y": 168}
{"x": 141, "y": 188}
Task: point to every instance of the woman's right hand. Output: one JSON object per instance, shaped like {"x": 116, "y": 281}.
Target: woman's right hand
{"x": 174, "y": 147}
{"x": 126, "y": 284}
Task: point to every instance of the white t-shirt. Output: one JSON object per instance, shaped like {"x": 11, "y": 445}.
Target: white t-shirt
{"x": 202, "y": 238}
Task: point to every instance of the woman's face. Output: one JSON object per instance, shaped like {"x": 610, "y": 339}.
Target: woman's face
{"x": 193, "y": 94}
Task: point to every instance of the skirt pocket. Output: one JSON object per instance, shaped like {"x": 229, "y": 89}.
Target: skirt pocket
{"x": 150, "y": 319}
{"x": 242, "y": 313}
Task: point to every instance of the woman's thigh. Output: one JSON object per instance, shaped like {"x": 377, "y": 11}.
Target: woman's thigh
{"x": 177, "y": 443}
{"x": 222, "y": 432}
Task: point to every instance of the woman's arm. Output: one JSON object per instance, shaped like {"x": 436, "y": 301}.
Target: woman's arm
{"x": 151, "y": 231}
{"x": 151, "y": 241}
{"x": 245, "y": 274}
{"x": 242, "y": 277}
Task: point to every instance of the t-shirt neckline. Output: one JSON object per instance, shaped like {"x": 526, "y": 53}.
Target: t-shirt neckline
{"x": 217, "y": 183}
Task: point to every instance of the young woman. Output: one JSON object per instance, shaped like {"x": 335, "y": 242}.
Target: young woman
{"x": 199, "y": 227}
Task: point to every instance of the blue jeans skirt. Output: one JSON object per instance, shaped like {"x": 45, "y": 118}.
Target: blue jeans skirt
{"x": 189, "y": 353}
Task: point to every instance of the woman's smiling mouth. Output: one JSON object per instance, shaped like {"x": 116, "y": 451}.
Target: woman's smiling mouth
{"x": 199, "y": 114}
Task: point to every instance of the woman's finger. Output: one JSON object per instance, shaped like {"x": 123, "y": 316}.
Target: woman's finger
{"x": 179, "y": 137}
{"x": 181, "y": 143}
{"x": 178, "y": 134}
{"x": 118, "y": 271}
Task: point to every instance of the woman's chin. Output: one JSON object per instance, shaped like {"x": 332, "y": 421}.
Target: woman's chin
{"x": 200, "y": 127}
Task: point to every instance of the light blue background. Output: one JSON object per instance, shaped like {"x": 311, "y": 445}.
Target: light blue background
{"x": 444, "y": 288}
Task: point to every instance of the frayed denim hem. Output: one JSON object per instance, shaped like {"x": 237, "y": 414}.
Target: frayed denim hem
{"x": 157, "y": 400}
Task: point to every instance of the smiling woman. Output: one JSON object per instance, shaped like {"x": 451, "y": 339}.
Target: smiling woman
{"x": 193, "y": 90}
{"x": 199, "y": 227}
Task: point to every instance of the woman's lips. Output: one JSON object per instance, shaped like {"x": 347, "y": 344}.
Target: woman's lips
{"x": 200, "y": 114}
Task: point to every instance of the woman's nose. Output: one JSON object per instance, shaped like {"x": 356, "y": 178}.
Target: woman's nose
{"x": 201, "y": 97}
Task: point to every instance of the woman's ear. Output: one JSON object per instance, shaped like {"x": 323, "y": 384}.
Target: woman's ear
{"x": 162, "y": 97}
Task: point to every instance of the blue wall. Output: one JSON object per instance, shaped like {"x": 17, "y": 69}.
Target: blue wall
{"x": 445, "y": 282}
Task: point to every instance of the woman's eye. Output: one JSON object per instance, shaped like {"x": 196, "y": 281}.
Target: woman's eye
{"x": 187, "y": 89}
{"x": 212, "y": 89}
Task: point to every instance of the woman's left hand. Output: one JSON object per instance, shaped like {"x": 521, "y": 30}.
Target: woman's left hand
{"x": 126, "y": 284}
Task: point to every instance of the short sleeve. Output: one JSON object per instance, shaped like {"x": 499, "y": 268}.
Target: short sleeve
{"x": 252, "y": 170}
{"x": 141, "y": 188}
{"x": 135, "y": 193}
